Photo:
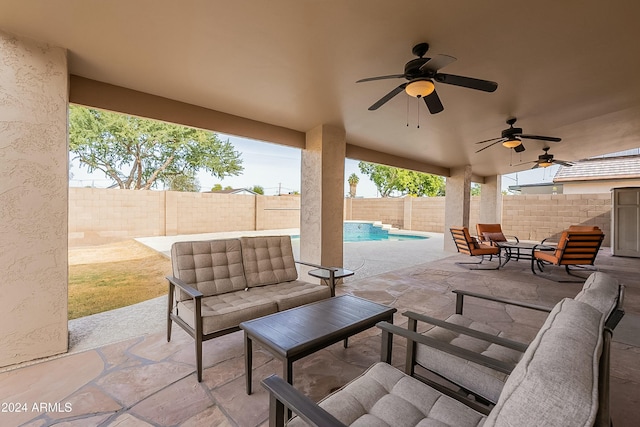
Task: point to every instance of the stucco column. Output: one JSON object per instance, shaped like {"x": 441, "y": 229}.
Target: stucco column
{"x": 491, "y": 200}
{"x": 33, "y": 199}
{"x": 457, "y": 203}
{"x": 322, "y": 198}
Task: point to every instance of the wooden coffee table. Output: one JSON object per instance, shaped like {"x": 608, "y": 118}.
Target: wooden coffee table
{"x": 293, "y": 334}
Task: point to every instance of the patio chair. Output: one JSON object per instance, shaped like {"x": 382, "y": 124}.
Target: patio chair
{"x": 575, "y": 248}
{"x": 470, "y": 246}
{"x": 491, "y": 233}
{"x": 493, "y": 356}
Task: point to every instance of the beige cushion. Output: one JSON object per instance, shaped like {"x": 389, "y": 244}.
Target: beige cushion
{"x": 556, "y": 381}
{"x": 268, "y": 260}
{"x": 479, "y": 379}
{"x": 212, "y": 267}
{"x": 385, "y": 397}
{"x": 228, "y": 310}
{"x": 600, "y": 291}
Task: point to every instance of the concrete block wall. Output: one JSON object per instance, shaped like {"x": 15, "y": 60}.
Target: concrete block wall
{"x": 538, "y": 216}
{"x": 211, "y": 212}
{"x": 387, "y": 210}
{"x": 98, "y": 215}
{"x": 274, "y": 212}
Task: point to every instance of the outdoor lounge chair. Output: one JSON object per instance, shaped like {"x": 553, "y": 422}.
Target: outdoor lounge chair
{"x": 470, "y": 246}
{"x": 490, "y": 233}
{"x": 577, "y": 248}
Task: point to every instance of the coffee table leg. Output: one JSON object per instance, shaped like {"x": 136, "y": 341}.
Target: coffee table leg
{"x": 287, "y": 374}
{"x": 248, "y": 360}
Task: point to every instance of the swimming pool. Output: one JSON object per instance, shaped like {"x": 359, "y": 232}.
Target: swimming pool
{"x": 366, "y": 232}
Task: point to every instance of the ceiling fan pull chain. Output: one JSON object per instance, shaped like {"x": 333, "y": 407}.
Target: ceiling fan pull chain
{"x": 408, "y": 111}
{"x": 418, "y": 110}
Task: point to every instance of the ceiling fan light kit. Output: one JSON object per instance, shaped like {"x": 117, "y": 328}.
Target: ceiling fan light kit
{"x": 420, "y": 88}
{"x": 512, "y": 143}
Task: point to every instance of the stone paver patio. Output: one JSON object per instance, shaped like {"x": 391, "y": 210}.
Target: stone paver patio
{"x": 145, "y": 381}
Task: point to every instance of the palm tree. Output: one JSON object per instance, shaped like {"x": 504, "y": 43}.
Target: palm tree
{"x": 353, "y": 181}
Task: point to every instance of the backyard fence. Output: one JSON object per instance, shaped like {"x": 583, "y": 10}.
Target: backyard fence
{"x": 99, "y": 216}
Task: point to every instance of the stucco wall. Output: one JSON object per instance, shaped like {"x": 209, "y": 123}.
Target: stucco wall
{"x": 33, "y": 199}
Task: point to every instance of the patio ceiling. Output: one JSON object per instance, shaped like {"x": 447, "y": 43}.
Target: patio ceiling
{"x": 564, "y": 68}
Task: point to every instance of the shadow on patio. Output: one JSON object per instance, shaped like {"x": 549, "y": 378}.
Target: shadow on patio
{"x": 147, "y": 381}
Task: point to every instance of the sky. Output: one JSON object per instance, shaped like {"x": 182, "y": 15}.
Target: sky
{"x": 276, "y": 168}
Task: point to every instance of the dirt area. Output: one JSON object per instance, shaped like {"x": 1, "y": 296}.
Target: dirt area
{"x": 114, "y": 275}
{"x": 112, "y": 252}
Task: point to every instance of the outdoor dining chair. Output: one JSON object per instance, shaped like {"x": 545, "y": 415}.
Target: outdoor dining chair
{"x": 575, "y": 248}
{"x": 469, "y": 245}
{"x": 490, "y": 233}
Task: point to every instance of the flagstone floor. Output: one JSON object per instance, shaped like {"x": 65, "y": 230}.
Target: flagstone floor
{"x": 147, "y": 381}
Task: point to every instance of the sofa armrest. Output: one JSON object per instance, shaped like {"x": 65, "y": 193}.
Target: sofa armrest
{"x": 189, "y": 290}
{"x": 414, "y": 337}
{"x": 282, "y": 394}
{"x": 504, "y": 342}
{"x": 334, "y": 269}
{"x": 461, "y": 294}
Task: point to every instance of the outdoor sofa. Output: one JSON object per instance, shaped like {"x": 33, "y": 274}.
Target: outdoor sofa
{"x": 217, "y": 284}
{"x": 561, "y": 379}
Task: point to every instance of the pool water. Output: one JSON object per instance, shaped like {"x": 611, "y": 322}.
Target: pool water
{"x": 366, "y": 232}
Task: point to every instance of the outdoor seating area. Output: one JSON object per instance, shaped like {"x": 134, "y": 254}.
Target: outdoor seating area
{"x": 148, "y": 381}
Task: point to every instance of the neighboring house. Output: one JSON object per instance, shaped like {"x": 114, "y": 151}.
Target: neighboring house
{"x": 542, "y": 188}
{"x": 243, "y": 191}
{"x": 599, "y": 175}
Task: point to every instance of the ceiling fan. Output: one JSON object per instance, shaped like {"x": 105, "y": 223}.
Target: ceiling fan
{"x": 421, "y": 74}
{"x": 546, "y": 160}
{"x": 512, "y": 138}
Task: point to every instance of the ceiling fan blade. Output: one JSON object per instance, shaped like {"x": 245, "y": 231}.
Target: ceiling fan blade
{"x": 469, "y": 82}
{"x": 387, "y": 97}
{"x": 433, "y": 103}
{"x": 536, "y": 166}
{"x": 437, "y": 62}
{"x": 370, "y": 79}
{"x": 541, "y": 138}
{"x": 563, "y": 163}
{"x": 490, "y": 145}
{"x": 489, "y": 140}
{"x": 519, "y": 149}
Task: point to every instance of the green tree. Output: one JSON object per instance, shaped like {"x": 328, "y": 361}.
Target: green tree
{"x": 217, "y": 187}
{"x": 353, "y": 181}
{"x": 140, "y": 153}
{"x": 258, "y": 189}
{"x": 184, "y": 183}
{"x": 388, "y": 179}
{"x": 475, "y": 189}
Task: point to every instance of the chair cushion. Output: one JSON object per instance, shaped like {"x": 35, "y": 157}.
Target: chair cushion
{"x": 600, "y": 291}
{"x": 212, "y": 266}
{"x": 556, "y": 381}
{"x": 383, "y": 396}
{"x": 494, "y": 237}
{"x": 268, "y": 260}
{"x": 477, "y": 378}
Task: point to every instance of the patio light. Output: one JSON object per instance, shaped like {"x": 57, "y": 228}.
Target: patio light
{"x": 512, "y": 142}
{"x": 420, "y": 88}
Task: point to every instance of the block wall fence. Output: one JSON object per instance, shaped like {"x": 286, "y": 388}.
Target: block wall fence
{"x": 98, "y": 216}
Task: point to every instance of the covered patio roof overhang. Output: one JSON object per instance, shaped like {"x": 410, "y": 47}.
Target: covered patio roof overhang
{"x": 285, "y": 72}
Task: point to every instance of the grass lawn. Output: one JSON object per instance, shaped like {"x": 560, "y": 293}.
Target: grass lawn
{"x": 111, "y": 276}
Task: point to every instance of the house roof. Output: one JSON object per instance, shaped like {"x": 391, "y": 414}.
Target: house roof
{"x": 274, "y": 70}
{"x": 622, "y": 167}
